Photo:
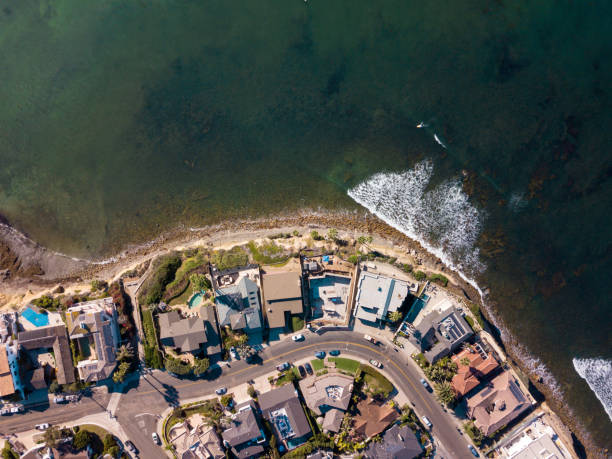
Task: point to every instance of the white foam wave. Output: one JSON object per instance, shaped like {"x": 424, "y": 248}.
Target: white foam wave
{"x": 598, "y": 375}
{"x": 441, "y": 219}
{"x": 437, "y": 139}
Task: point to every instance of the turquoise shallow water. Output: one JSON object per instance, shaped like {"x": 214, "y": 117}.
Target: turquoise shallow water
{"x": 124, "y": 118}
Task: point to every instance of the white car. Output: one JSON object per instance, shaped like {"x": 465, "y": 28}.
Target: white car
{"x": 155, "y": 438}
{"x": 298, "y": 337}
{"x": 43, "y": 426}
{"x": 427, "y": 422}
{"x": 370, "y": 339}
{"x": 376, "y": 363}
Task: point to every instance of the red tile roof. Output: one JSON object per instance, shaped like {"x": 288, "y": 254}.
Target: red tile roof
{"x": 468, "y": 376}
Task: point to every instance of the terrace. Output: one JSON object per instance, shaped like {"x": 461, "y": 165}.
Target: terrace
{"x": 329, "y": 296}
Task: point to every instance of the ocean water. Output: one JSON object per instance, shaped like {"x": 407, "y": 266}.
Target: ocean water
{"x": 120, "y": 119}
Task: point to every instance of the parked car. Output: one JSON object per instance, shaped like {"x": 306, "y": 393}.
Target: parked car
{"x": 131, "y": 447}
{"x": 283, "y": 366}
{"x": 425, "y": 384}
{"x": 221, "y": 390}
{"x": 5, "y": 411}
{"x": 155, "y": 438}
{"x": 376, "y": 363}
{"x": 60, "y": 399}
{"x": 308, "y": 368}
{"x": 427, "y": 422}
{"x": 370, "y": 339}
{"x": 234, "y": 353}
{"x": 335, "y": 352}
{"x": 17, "y": 409}
{"x": 473, "y": 451}
{"x": 302, "y": 371}
{"x": 298, "y": 337}
{"x": 43, "y": 426}
{"x": 73, "y": 398}
{"x": 320, "y": 355}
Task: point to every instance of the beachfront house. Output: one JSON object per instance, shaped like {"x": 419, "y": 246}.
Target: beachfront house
{"x": 440, "y": 333}
{"x": 237, "y": 301}
{"x": 282, "y": 294}
{"x": 473, "y": 365}
{"x": 497, "y": 404}
{"x": 196, "y": 334}
{"x": 92, "y": 328}
{"x": 377, "y": 296}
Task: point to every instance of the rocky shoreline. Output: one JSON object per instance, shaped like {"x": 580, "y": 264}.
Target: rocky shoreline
{"x": 27, "y": 266}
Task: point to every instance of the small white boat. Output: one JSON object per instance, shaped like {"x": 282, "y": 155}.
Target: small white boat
{"x": 421, "y": 125}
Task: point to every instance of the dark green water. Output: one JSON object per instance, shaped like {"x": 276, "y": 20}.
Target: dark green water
{"x": 123, "y": 118}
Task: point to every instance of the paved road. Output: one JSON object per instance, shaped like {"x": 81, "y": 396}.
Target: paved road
{"x": 54, "y": 414}
{"x": 146, "y": 398}
{"x": 139, "y": 407}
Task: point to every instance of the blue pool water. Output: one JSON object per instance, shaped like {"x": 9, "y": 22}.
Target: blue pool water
{"x": 416, "y": 307}
{"x": 36, "y": 318}
{"x": 196, "y": 300}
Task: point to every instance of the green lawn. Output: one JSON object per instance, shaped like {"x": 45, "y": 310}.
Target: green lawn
{"x": 297, "y": 323}
{"x": 375, "y": 380}
{"x": 317, "y": 364}
{"x": 182, "y": 298}
{"x": 95, "y": 429}
{"x": 347, "y": 365}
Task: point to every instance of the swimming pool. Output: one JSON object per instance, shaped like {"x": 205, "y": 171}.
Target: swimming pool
{"x": 419, "y": 303}
{"x": 37, "y": 319}
{"x": 196, "y": 300}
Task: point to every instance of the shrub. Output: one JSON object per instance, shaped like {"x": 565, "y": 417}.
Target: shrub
{"x": 406, "y": 268}
{"x": 199, "y": 282}
{"x": 420, "y": 276}
{"x": 47, "y": 302}
{"x": 473, "y": 432}
{"x": 354, "y": 259}
{"x": 120, "y": 372}
{"x": 201, "y": 366}
{"x": 226, "y": 259}
{"x": 268, "y": 253}
{"x": 439, "y": 278}
{"x": 226, "y": 400}
{"x": 177, "y": 366}
{"x": 475, "y": 309}
{"x": 153, "y": 288}
{"x": 251, "y": 391}
{"x": 316, "y": 236}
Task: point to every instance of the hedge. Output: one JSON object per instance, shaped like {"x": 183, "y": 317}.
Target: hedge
{"x": 153, "y": 288}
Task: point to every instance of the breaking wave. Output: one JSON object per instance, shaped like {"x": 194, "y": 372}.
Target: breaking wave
{"x": 442, "y": 219}
{"x": 598, "y": 375}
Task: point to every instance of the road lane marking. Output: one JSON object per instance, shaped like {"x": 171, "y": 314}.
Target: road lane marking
{"x": 308, "y": 346}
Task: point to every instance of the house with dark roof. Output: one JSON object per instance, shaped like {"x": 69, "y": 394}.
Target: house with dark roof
{"x": 440, "y": 333}
{"x": 329, "y": 396}
{"x": 373, "y": 417}
{"x": 282, "y": 408}
{"x": 282, "y": 294}
{"x": 245, "y": 436}
{"x": 191, "y": 334}
{"x": 54, "y": 337}
{"x": 92, "y": 326}
{"x": 397, "y": 443}
{"x": 472, "y": 367}
{"x": 497, "y": 404}
{"x": 238, "y": 306}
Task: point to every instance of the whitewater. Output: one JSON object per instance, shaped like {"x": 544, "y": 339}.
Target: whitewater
{"x": 442, "y": 219}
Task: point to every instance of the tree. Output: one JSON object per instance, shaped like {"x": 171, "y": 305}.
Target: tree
{"x": 364, "y": 240}
{"x": 226, "y": 400}
{"x": 420, "y": 275}
{"x": 199, "y": 282}
{"x": 395, "y": 316}
{"x": 110, "y": 445}
{"x": 54, "y": 387}
{"x": 316, "y": 236}
{"x": 332, "y": 234}
{"x": 251, "y": 391}
{"x": 465, "y": 362}
{"x": 354, "y": 259}
{"x": 120, "y": 372}
{"x": 201, "y": 366}
{"x": 445, "y": 393}
{"x": 125, "y": 352}
{"x": 8, "y": 452}
{"x": 246, "y": 352}
{"x": 242, "y": 339}
{"x": 52, "y": 436}
{"x": 81, "y": 439}
{"x": 177, "y": 366}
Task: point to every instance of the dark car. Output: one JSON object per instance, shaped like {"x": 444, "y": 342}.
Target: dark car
{"x": 473, "y": 451}
{"x": 131, "y": 447}
{"x": 335, "y": 352}
{"x": 302, "y": 371}
{"x": 425, "y": 384}
{"x": 308, "y": 368}
{"x": 221, "y": 391}
{"x": 320, "y": 355}
{"x": 283, "y": 366}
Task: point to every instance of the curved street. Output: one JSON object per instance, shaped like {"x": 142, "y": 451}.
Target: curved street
{"x": 144, "y": 399}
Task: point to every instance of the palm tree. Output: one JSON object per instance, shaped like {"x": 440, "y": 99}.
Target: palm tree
{"x": 445, "y": 393}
